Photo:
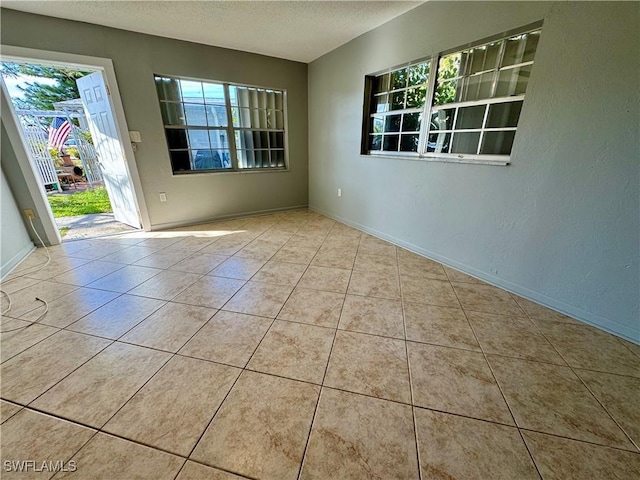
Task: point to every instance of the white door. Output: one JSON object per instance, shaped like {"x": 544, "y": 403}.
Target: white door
{"x": 106, "y": 141}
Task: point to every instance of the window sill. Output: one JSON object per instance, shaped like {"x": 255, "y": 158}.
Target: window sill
{"x": 471, "y": 161}
{"x": 230, "y": 172}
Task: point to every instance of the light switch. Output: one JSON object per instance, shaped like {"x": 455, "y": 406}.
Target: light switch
{"x": 163, "y": 197}
{"x": 134, "y": 136}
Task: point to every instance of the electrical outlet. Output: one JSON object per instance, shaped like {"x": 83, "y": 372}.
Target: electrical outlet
{"x": 339, "y": 192}
{"x": 29, "y": 214}
{"x": 163, "y": 197}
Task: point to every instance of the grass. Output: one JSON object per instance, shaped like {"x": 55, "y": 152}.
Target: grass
{"x": 64, "y": 230}
{"x": 81, "y": 203}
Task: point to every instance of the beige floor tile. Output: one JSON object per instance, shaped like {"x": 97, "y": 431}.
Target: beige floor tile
{"x": 412, "y": 265}
{"x": 635, "y": 348}
{"x": 267, "y": 416}
{"x": 54, "y": 268}
{"x": 539, "y": 312}
{"x": 486, "y": 298}
{"x": 375, "y": 284}
{"x": 563, "y": 459}
{"x": 162, "y": 258}
{"x": 210, "y": 291}
{"x": 260, "y": 299}
{"x": 87, "y": 273}
{"x": 429, "y": 291}
{"x": 513, "y": 337}
{"x": 125, "y": 279}
{"x": 20, "y": 335}
{"x": 583, "y": 346}
{"x": 35, "y": 370}
{"x": 192, "y": 243}
{"x": 129, "y": 254}
{"x": 107, "y": 458}
{"x": 166, "y": 285}
{"x": 379, "y": 263}
{"x": 117, "y": 317}
{"x": 305, "y": 242}
{"x": 378, "y": 316}
{"x": 280, "y": 273}
{"x": 620, "y": 395}
{"x": 12, "y": 284}
{"x": 375, "y": 366}
{"x": 334, "y": 259}
{"x": 302, "y": 255}
{"x": 63, "y": 311}
{"x": 375, "y": 246}
{"x": 325, "y": 278}
{"x": 455, "y": 381}
{"x": 238, "y": 267}
{"x": 228, "y": 337}
{"x": 169, "y": 327}
{"x": 355, "y": 437}
{"x": 260, "y": 249}
{"x": 456, "y": 447}
{"x": 314, "y": 307}
{"x": 201, "y": 263}
{"x": 23, "y": 301}
{"x": 33, "y": 436}
{"x": 227, "y": 246}
{"x": 94, "y": 392}
{"x": 294, "y": 350}
{"x": 551, "y": 399}
{"x": 8, "y": 410}
{"x": 196, "y": 471}
{"x": 173, "y": 409}
{"x": 457, "y": 276}
{"x": 97, "y": 250}
{"x": 439, "y": 325}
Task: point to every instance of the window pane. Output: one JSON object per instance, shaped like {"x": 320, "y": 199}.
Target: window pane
{"x": 415, "y": 97}
{"x": 399, "y": 79}
{"x": 262, "y": 158}
{"x": 198, "y": 138}
{"x": 466, "y": 142}
{"x": 168, "y": 89}
{"x": 218, "y": 139}
{"x": 277, "y": 158}
{"x": 260, "y": 140}
{"x": 381, "y": 83}
{"x": 445, "y": 92}
{"x": 476, "y": 87}
{"x": 279, "y": 101}
{"x": 233, "y": 95}
{"x": 176, "y": 138}
{"x": 375, "y": 142}
{"x": 380, "y": 104}
{"x": 392, "y": 123}
{"x": 246, "y": 158}
{"x": 397, "y": 101}
{"x": 449, "y": 66}
{"x": 172, "y": 114}
{"x": 180, "y": 160}
{"x": 276, "y": 140}
{"x": 418, "y": 74}
{"x": 513, "y": 81}
{"x": 438, "y": 142}
{"x": 498, "y": 143}
{"x": 484, "y": 57}
{"x": 213, "y": 93}
{"x": 411, "y": 122}
{"x": 409, "y": 143}
{"x": 390, "y": 143}
{"x": 216, "y": 115}
{"x": 521, "y": 48}
{"x": 191, "y": 91}
{"x": 377, "y": 124}
{"x": 504, "y": 114}
{"x": 211, "y": 159}
{"x": 470, "y": 117}
{"x": 241, "y": 117}
{"x": 279, "y": 121}
{"x": 196, "y": 115}
{"x": 443, "y": 119}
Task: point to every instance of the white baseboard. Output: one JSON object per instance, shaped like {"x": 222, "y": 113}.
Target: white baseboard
{"x": 606, "y": 324}
{"x": 13, "y": 262}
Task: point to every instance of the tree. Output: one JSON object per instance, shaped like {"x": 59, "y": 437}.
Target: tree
{"x": 40, "y": 96}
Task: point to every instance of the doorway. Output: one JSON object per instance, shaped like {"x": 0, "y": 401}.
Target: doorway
{"x": 85, "y": 171}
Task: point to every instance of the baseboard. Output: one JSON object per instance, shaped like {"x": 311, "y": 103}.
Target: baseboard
{"x": 605, "y": 324}
{"x": 188, "y": 223}
{"x": 13, "y": 262}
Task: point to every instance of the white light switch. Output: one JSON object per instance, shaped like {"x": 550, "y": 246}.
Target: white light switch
{"x": 339, "y": 192}
{"x": 163, "y": 197}
{"x": 134, "y": 136}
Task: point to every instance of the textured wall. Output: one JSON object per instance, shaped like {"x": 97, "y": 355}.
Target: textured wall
{"x": 136, "y": 57}
{"x": 561, "y": 224}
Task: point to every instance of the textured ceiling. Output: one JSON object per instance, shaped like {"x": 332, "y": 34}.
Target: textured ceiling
{"x": 295, "y": 30}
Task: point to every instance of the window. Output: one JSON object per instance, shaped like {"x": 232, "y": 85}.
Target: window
{"x": 473, "y": 104}
{"x": 222, "y": 127}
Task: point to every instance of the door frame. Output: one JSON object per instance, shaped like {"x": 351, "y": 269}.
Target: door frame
{"x": 105, "y": 65}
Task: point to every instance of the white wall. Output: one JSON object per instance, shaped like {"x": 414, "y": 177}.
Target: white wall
{"x": 15, "y": 243}
{"x": 561, "y": 224}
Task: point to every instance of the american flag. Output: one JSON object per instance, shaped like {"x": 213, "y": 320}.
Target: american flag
{"x": 58, "y": 132}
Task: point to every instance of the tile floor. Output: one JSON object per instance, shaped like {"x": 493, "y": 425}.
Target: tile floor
{"x": 291, "y": 346}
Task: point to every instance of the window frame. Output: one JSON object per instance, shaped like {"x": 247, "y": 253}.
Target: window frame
{"x": 429, "y": 107}
{"x": 229, "y": 129}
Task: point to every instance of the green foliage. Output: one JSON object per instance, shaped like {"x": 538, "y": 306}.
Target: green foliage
{"x": 448, "y": 68}
{"x": 81, "y": 203}
{"x": 40, "y": 96}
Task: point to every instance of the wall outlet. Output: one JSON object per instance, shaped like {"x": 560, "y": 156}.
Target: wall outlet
{"x": 339, "y": 192}
{"x": 29, "y": 214}
{"x": 135, "y": 136}
{"x": 163, "y": 197}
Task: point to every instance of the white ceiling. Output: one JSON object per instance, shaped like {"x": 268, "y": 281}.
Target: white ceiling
{"x": 295, "y": 30}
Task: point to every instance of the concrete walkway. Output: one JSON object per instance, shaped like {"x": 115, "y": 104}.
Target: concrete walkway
{"x": 92, "y": 225}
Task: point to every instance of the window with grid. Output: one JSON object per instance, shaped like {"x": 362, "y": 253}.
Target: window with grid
{"x": 220, "y": 126}
{"x": 473, "y": 104}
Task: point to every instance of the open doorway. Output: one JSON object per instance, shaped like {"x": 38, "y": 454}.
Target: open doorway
{"x": 68, "y": 126}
